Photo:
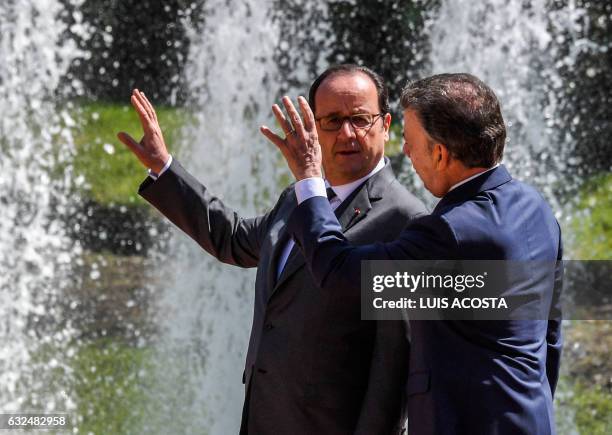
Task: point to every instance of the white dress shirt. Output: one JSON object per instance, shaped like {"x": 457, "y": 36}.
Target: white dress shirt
{"x": 454, "y": 186}
{"x": 155, "y": 176}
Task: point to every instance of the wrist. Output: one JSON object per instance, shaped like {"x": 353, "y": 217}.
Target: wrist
{"x": 310, "y": 173}
{"x": 159, "y": 163}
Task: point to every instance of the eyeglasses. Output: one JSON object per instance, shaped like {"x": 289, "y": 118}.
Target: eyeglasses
{"x": 359, "y": 121}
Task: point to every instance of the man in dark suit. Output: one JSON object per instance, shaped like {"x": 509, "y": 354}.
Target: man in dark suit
{"x": 465, "y": 377}
{"x": 313, "y": 366}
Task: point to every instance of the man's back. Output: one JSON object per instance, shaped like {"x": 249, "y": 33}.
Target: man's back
{"x": 466, "y": 377}
{"x": 493, "y": 377}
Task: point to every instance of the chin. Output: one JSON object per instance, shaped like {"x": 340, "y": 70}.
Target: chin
{"x": 438, "y": 193}
{"x": 349, "y": 168}
{"x": 433, "y": 190}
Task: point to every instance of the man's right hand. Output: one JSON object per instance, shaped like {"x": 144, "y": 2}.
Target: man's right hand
{"x": 300, "y": 146}
{"x": 151, "y": 150}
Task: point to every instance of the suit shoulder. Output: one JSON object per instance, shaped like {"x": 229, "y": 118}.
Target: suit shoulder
{"x": 398, "y": 197}
{"x": 527, "y": 197}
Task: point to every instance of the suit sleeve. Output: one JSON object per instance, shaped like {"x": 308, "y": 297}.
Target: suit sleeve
{"x": 333, "y": 261}
{"x": 219, "y": 230}
{"x": 554, "y": 338}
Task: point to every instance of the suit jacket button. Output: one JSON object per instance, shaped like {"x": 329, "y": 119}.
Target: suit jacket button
{"x": 262, "y": 371}
{"x": 268, "y": 326}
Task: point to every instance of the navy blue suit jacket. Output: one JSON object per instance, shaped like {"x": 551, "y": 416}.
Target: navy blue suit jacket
{"x": 465, "y": 377}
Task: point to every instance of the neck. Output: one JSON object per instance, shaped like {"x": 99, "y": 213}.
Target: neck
{"x": 465, "y": 175}
{"x": 469, "y": 172}
{"x": 338, "y": 180}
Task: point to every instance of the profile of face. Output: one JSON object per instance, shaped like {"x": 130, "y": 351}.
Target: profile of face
{"x": 350, "y": 152}
{"x": 417, "y": 146}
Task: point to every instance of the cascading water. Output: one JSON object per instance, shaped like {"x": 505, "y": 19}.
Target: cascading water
{"x": 207, "y": 307}
{"x": 515, "y": 47}
{"x": 35, "y": 178}
{"x": 512, "y": 46}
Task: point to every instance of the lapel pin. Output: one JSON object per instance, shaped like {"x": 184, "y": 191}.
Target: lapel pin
{"x": 357, "y": 211}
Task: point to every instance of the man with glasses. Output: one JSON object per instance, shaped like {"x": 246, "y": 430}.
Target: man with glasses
{"x": 313, "y": 366}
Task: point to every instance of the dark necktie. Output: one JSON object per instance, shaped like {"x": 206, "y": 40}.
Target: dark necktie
{"x": 330, "y": 194}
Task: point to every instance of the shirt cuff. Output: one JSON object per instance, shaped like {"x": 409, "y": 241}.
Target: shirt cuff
{"x": 155, "y": 176}
{"x": 309, "y": 187}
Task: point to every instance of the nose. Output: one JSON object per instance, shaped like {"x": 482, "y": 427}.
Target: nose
{"x": 346, "y": 130}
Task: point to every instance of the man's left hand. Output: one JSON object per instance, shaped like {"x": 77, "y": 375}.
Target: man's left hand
{"x": 301, "y": 144}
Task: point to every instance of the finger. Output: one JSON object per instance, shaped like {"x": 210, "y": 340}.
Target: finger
{"x": 273, "y": 137}
{"x": 130, "y": 142}
{"x": 296, "y": 122}
{"x": 147, "y": 104}
{"x": 309, "y": 119}
{"x": 280, "y": 117}
{"x": 142, "y": 113}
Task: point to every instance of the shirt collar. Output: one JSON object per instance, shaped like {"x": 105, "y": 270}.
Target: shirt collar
{"x": 454, "y": 186}
{"x": 343, "y": 191}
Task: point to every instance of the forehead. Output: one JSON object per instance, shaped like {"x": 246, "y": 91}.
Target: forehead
{"x": 412, "y": 123}
{"x": 346, "y": 93}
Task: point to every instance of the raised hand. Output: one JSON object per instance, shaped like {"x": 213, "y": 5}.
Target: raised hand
{"x": 301, "y": 144}
{"x": 151, "y": 150}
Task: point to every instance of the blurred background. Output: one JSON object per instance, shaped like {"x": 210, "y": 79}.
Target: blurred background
{"x": 110, "y": 314}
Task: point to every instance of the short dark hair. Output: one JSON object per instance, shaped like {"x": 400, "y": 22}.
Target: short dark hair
{"x": 349, "y": 68}
{"x": 462, "y": 113}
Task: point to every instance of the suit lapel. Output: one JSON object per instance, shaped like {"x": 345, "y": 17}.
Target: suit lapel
{"x": 294, "y": 262}
{"x": 278, "y": 241}
{"x": 354, "y": 208}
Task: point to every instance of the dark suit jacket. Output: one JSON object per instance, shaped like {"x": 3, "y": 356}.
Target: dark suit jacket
{"x": 466, "y": 377}
{"x": 313, "y": 366}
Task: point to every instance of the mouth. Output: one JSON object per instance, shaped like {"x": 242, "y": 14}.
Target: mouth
{"x": 347, "y": 153}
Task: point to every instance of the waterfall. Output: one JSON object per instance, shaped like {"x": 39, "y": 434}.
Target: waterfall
{"x": 514, "y": 47}
{"x": 35, "y": 178}
{"x": 206, "y": 307}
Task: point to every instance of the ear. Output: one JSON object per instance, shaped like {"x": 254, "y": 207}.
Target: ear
{"x": 441, "y": 157}
{"x": 387, "y": 125}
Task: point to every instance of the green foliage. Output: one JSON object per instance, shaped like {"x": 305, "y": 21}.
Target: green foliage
{"x": 122, "y": 389}
{"x": 586, "y": 385}
{"x": 593, "y": 409}
{"x": 396, "y": 141}
{"x": 112, "y": 173}
{"x": 592, "y": 223}
{"x": 111, "y": 385}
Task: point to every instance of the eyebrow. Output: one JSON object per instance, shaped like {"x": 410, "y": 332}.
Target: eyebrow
{"x": 357, "y": 111}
